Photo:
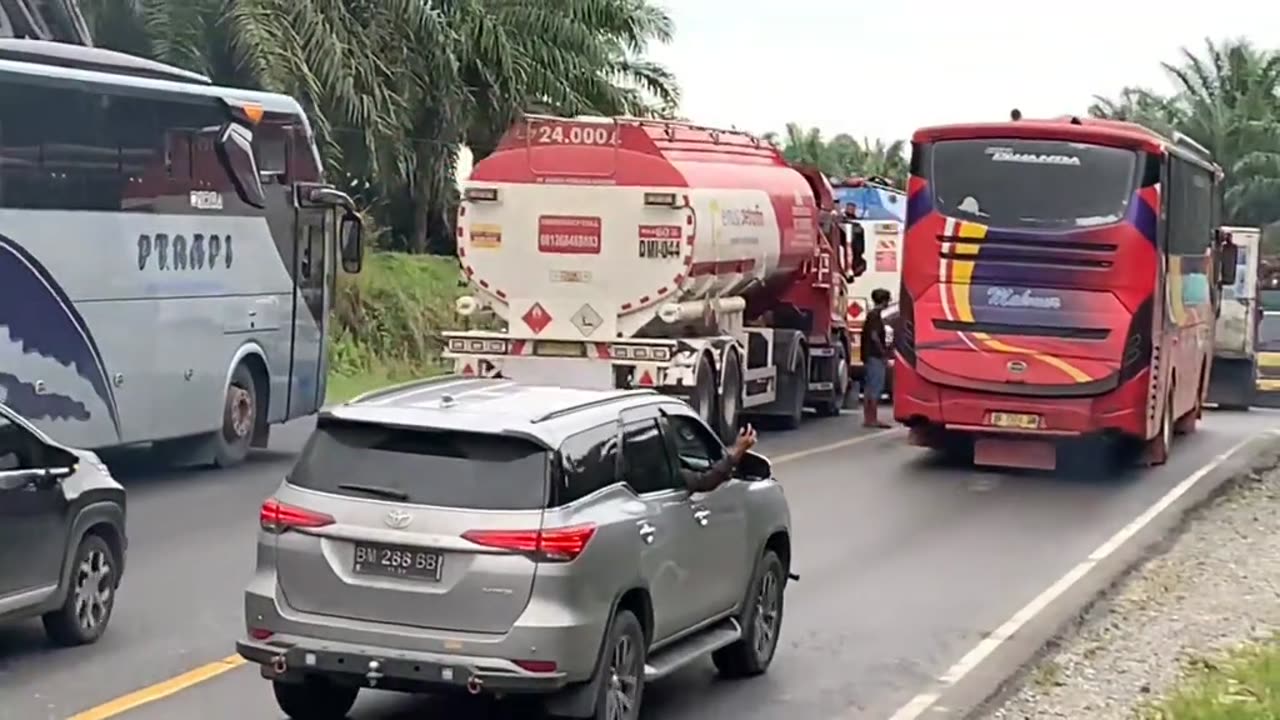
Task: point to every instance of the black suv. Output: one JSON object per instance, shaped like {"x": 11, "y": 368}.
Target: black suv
{"x": 62, "y": 534}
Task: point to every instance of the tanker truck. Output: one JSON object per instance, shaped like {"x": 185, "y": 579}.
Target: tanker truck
{"x": 636, "y": 253}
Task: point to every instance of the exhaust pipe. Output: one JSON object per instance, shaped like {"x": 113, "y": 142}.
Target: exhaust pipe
{"x": 279, "y": 664}
{"x": 475, "y": 685}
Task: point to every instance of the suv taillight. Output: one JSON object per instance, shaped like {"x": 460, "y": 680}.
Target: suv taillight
{"x": 550, "y": 545}
{"x": 277, "y": 517}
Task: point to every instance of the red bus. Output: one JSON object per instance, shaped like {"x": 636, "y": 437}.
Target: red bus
{"x": 1061, "y": 279}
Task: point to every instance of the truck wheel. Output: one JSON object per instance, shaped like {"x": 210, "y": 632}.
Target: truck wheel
{"x": 797, "y": 379}
{"x": 761, "y": 621}
{"x": 830, "y": 406}
{"x": 315, "y": 699}
{"x": 239, "y": 416}
{"x": 703, "y": 399}
{"x": 730, "y": 399}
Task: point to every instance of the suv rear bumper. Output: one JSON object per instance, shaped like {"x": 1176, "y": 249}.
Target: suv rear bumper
{"x": 292, "y": 658}
{"x": 547, "y": 631}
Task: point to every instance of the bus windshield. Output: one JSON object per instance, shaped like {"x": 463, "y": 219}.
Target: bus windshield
{"x": 1042, "y": 184}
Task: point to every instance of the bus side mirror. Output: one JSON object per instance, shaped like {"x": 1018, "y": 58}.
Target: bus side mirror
{"x": 351, "y": 242}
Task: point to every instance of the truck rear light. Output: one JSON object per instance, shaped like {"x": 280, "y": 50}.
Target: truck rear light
{"x": 480, "y": 347}
{"x": 276, "y": 517}
{"x": 640, "y": 352}
{"x": 661, "y": 200}
{"x": 551, "y": 545}
{"x": 474, "y": 194}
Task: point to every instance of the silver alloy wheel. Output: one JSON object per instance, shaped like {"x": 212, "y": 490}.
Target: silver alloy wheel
{"x": 94, "y": 589}
{"x": 768, "y": 615}
{"x": 624, "y": 680}
{"x": 240, "y": 411}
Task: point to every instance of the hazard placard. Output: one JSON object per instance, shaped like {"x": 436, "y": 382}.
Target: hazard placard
{"x": 587, "y": 320}
{"x": 886, "y": 255}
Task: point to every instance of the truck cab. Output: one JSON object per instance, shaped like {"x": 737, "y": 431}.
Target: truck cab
{"x": 1232, "y": 381}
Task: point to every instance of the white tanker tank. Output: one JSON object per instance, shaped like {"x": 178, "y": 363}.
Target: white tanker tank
{"x": 627, "y": 253}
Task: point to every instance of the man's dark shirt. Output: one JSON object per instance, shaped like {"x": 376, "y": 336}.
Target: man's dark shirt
{"x": 710, "y": 479}
{"x": 873, "y": 336}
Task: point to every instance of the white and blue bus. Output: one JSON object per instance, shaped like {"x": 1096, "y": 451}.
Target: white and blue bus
{"x": 168, "y": 251}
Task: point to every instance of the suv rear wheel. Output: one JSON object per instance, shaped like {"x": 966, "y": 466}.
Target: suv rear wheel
{"x": 623, "y": 666}
{"x": 315, "y": 699}
{"x": 761, "y": 621}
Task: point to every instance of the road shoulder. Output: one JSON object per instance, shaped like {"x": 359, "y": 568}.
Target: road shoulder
{"x": 1205, "y": 582}
{"x": 977, "y": 682}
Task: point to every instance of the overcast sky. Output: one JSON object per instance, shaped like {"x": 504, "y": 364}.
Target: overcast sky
{"x": 882, "y": 69}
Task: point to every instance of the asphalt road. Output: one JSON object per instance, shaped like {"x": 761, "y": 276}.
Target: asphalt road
{"x": 905, "y": 565}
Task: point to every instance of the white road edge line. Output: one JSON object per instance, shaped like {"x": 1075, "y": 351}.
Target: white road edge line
{"x": 818, "y": 450}
{"x": 922, "y": 703}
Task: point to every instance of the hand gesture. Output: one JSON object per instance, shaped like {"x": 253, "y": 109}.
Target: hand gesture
{"x": 746, "y": 440}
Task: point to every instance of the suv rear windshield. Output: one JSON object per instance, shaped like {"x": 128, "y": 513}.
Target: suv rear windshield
{"x": 443, "y": 468}
{"x": 1044, "y": 184}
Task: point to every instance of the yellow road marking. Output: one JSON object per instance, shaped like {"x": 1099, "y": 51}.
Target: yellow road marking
{"x": 191, "y": 678}
{"x": 160, "y": 690}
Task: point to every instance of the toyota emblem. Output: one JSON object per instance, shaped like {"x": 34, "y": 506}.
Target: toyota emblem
{"x": 1016, "y": 366}
{"x": 398, "y": 519}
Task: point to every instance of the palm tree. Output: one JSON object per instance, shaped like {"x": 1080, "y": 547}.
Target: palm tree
{"x": 394, "y": 87}
{"x": 843, "y": 156}
{"x": 1227, "y": 99}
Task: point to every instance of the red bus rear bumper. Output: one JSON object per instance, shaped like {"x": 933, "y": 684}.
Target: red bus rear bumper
{"x": 928, "y": 407}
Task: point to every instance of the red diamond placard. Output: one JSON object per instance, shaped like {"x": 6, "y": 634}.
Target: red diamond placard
{"x": 537, "y": 318}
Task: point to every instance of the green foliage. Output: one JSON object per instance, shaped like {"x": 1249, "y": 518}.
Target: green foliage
{"x": 394, "y": 87}
{"x": 1227, "y": 99}
{"x": 387, "y": 320}
{"x": 842, "y": 156}
{"x": 1243, "y": 685}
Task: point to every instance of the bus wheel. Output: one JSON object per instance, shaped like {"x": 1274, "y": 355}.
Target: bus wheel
{"x": 1187, "y": 423}
{"x": 1157, "y": 449}
{"x": 239, "y": 414}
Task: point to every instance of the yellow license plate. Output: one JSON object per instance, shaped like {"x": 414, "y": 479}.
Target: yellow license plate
{"x": 559, "y": 349}
{"x": 1016, "y": 421}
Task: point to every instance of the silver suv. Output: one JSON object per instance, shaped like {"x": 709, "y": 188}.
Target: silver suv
{"x": 487, "y": 537}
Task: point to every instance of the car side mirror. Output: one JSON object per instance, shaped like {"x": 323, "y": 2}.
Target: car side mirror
{"x": 754, "y": 466}
{"x": 351, "y": 242}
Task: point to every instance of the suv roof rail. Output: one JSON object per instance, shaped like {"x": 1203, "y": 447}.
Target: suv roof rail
{"x": 78, "y": 57}
{"x": 402, "y": 387}
{"x": 597, "y": 402}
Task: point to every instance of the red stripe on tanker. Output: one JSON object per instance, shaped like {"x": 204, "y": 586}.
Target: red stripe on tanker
{"x": 746, "y": 220}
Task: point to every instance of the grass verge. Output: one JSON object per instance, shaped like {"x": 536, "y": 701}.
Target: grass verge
{"x": 386, "y": 322}
{"x": 1243, "y": 685}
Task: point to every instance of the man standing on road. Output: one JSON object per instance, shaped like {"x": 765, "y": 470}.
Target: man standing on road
{"x": 722, "y": 471}
{"x": 875, "y": 355}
